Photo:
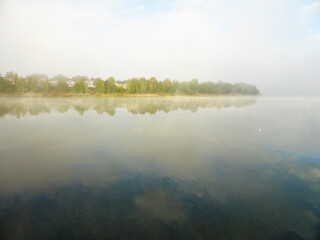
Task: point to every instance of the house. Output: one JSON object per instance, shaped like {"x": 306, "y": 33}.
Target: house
{"x": 54, "y": 83}
{"x": 90, "y": 84}
{"x": 10, "y": 79}
{"x": 70, "y": 83}
{"x": 123, "y": 85}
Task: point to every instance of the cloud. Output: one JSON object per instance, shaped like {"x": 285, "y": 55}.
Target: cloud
{"x": 273, "y": 44}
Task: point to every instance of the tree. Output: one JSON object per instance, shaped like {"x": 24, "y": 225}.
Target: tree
{"x": 59, "y": 78}
{"x": 77, "y": 78}
{"x": 194, "y": 85}
{"x": 33, "y": 82}
{"x": 167, "y": 84}
{"x": 80, "y": 87}
{"x": 21, "y": 85}
{"x": 44, "y": 86}
{"x": 143, "y": 85}
{"x": 184, "y": 87}
{"x": 244, "y": 89}
{"x": 6, "y": 86}
{"x": 110, "y": 85}
{"x": 153, "y": 85}
{"x": 131, "y": 86}
{"x": 100, "y": 85}
{"x": 207, "y": 88}
{"x": 62, "y": 86}
{"x": 12, "y": 75}
{"x": 223, "y": 88}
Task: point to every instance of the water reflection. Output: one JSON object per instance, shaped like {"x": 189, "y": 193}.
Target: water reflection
{"x": 183, "y": 175}
{"x": 20, "y": 107}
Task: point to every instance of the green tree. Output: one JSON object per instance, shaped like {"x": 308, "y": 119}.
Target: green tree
{"x": 100, "y": 85}
{"x": 131, "y": 86}
{"x": 12, "y": 75}
{"x": 44, "y": 86}
{"x": 32, "y": 85}
{"x": 167, "y": 84}
{"x": 6, "y": 86}
{"x": 143, "y": 85}
{"x": 174, "y": 86}
{"x": 62, "y": 86}
{"x": 77, "y": 78}
{"x": 184, "y": 87}
{"x": 80, "y": 87}
{"x": 153, "y": 85}
{"x": 194, "y": 85}
{"x": 21, "y": 85}
{"x": 244, "y": 89}
{"x": 223, "y": 88}
{"x": 33, "y": 82}
{"x": 59, "y": 78}
{"x": 110, "y": 86}
{"x": 206, "y": 88}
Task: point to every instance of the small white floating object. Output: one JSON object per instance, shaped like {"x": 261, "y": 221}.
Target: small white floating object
{"x": 259, "y": 129}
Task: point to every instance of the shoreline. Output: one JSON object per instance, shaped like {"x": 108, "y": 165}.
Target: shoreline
{"x": 119, "y": 95}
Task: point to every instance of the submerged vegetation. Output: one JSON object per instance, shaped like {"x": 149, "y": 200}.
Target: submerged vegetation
{"x": 61, "y": 85}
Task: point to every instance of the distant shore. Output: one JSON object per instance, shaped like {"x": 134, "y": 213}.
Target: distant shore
{"x": 71, "y": 94}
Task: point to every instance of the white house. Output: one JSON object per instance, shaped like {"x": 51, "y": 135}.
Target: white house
{"x": 70, "y": 83}
{"x": 54, "y": 83}
{"x": 123, "y": 85}
{"x": 10, "y": 80}
{"x": 90, "y": 84}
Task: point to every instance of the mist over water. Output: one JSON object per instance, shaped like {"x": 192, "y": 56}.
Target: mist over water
{"x": 159, "y": 168}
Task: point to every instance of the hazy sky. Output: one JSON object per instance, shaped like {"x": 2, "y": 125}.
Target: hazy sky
{"x": 274, "y": 44}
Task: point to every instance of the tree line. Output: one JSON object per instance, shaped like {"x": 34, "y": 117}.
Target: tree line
{"x": 40, "y": 83}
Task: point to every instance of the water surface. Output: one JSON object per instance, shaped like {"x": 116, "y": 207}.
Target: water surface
{"x": 159, "y": 168}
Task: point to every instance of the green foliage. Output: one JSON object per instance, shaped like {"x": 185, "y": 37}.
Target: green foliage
{"x": 207, "y": 88}
{"x": 194, "y": 85}
{"x": 59, "y": 77}
{"x": 100, "y": 85}
{"x": 77, "y": 78}
{"x": 21, "y": 85}
{"x": 80, "y": 87}
{"x": 110, "y": 86}
{"x": 33, "y": 85}
{"x": 6, "y": 86}
{"x": 62, "y": 86}
{"x": 245, "y": 89}
{"x": 143, "y": 85}
{"x": 37, "y": 83}
{"x": 12, "y": 75}
{"x": 167, "y": 85}
{"x": 132, "y": 86}
{"x": 153, "y": 85}
{"x": 40, "y": 83}
{"x": 44, "y": 86}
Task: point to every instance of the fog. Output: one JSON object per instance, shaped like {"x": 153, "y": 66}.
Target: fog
{"x": 273, "y": 44}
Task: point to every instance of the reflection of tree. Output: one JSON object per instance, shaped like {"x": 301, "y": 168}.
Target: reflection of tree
{"x": 16, "y": 109}
{"x": 80, "y": 109}
{"x": 136, "y": 105}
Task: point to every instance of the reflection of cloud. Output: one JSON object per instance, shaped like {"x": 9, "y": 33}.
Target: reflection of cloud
{"x": 305, "y": 171}
{"x": 160, "y": 204}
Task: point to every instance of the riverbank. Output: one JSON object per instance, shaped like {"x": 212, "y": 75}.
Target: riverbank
{"x": 72, "y": 94}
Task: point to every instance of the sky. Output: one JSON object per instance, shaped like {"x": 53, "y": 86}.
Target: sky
{"x": 274, "y": 44}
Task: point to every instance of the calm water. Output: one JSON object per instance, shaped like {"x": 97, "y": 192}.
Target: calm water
{"x": 159, "y": 168}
